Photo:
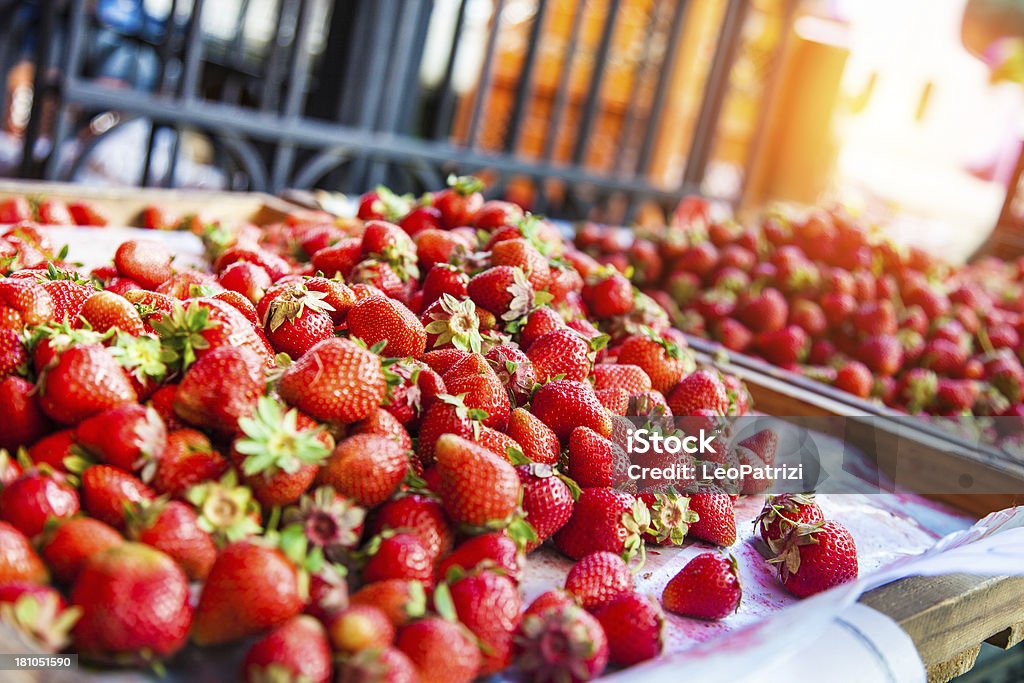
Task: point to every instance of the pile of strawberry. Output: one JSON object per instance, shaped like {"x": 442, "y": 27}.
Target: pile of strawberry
{"x": 348, "y": 437}
{"x": 50, "y": 211}
{"x": 823, "y": 297}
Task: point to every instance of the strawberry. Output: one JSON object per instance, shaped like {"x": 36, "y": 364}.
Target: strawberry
{"x": 497, "y": 442}
{"x": 206, "y": 325}
{"x": 130, "y": 437}
{"x": 491, "y": 551}
{"x": 538, "y": 323}
{"x": 383, "y": 423}
{"x": 664, "y": 361}
{"x": 135, "y": 606}
{"x": 484, "y": 395}
{"x": 439, "y": 246}
{"x": 295, "y": 318}
{"x": 608, "y": 294}
{"x": 782, "y": 513}
{"x": 251, "y": 587}
{"x": 33, "y": 499}
{"x": 145, "y": 261}
{"x": 398, "y": 556}
{"x": 631, "y": 378}
{"x": 519, "y": 253}
{"x": 633, "y": 624}
{"x": 107, "y": 492}
{"x": 248, "y": 279}
{"x": 783, "y": 347}
{"x": 381, "y": 276}
{"x": 855, "y": 378}
{"x": 296, "y": 650}
{"x": 814, "y": 558}
{"x": 716, "y": 521}
{"x": 173, "y": 528}
{"x": 514, "y": 369}
{"x": 275, "y": 266}
{"x": 18, "y": 560}
{"x": 765, "y": 312}
{"x": 495, "y": 213}
{"x": 381, "y": 665}
{"x": 708, "y": 587}
{"x": 219, "y": 389}
{"x": 599, "y": 578}
{"x": 441, "y": 651}
{"x": 956, "y": 395}
{"x": 561, "y": 643}
{"x": 502, "y": 290}
{"x": 401, "y": 600}
{"x": 9, "y": 468}
{"x": 366, "y": 467}
{"x": 564, "y": 404}
{"x": 883, "y": 354}
{"x": 489, "y": 605}
{"x": 604, "y": 519}
{"x": 73, "y": 542}
{"x": 360, "y": 627}
{"x": 477, "y": 487}
{"x": 671, "y": 516}
{"x": 13, "y": 356}
{"x": 449, "y": 415}
{"x": 563, "y": 354}
{"x": 23, "y": 303}
{"x": 15, "y": 210}
{"x": 616, "y": 401}
{"x": 335, "y": 381}
{"x": 419, "y": 515}
{"x": 380, "y": 319}
{"x": 24, "y": 422}
{"x": 441, "y": 279}
{"x": 105, "y": 311}
{"x": 86, "y": 381}
{"x": 460, "y": 201}
{"x": 596, "y": 461}
{"x": 943, "y": 356}
{"x": 54, "y": 449}
{"x": 279, "y": 452}
{"x": 337, "y": 259}
{"x": 701, "y": 390}
{"x": 188, "y": 459}
{"x": 39, "y": 613}
{"x": 455, "y": 323}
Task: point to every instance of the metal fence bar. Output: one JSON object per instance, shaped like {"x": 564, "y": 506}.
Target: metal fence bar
{"x": 675, "y": 34}
{"x": 446, "y": 105}
{"x": 562, "y": 89}
{"x": 298, "y": 70}
{"x": 596, "y": 78}
{"x": 636, "y": 87}
{"x": 487, "y": 75}
{"x": 714, "y": 93}
{"x": 40, "y": 87}
{"x": 524, "y": 88}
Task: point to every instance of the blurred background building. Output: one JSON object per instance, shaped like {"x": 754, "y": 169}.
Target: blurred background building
{"x": 607, "y": 109}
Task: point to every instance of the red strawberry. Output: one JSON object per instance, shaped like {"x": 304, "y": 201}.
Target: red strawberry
{"x": 519, "y": 253}
{"x": 604, "y": 519}
{"x": 633, "y": 624}
{"x": 220, "y": 388}
{"x": 378, "y": 318}
{"x": 248, "y": 279}
{"x": 105, "y": 311}
{"x": 547, "y": 500}
{"x": 107, "y": 492}
{"x": 295, "y": 650}
{"x": 85, "y": 382}
{"x": 854, "y": 377}
{"x": 398, "y": 556}
{"x": 24, "y": 303}
{"x": 502, "y": 290}
{"x": 563, "y": 405}
{"x": 360, "y": 627}
{"x": 702, "y": 389}
{"x": 515, "y": 370}
{"x": 596, "y": 461}
{"x": 563, "y": 353}
{"x": 24, "y": 422}
{"x": 130, "y": 437}
{"x": 441, "y": 651}
{"x": 366, "y": 467}
{"x": 632, "y": 378}
{"x": 488, "y": 604}
{"x": 539, "y": 442}
{"x": 956, "y": 395}
{"x": 616, "y": 401}
{"x": 495, "y": 213}
{"x": 460, "y": 202}
{"x": 477, "y": 487}
{"x": 494, "y": 550}
{"x": 608, "y": 294}
{"x": 449, "y": 415}
{"x": 418, "y": 515}
{"x": 119, "y": 626}
{"x": 383, "y": 423}
{"x": 54, "y": 450}
{"x": 205, "y": 326}
{"x": 335, "y": 381}
{"x": 9, "y": 468}
{"x": 145, "y": 261}
{"x": 250, "y": 588}
{"x": 54, "y": 212}
{"x": 538, "y": 323}
{"x": 38, "y": 612}
{"x": 599, "y": 578}
{"x": 814, "y": 558}
{"x": 337, "y": 259}
{"x": 561, "y": 643}
{"x": 765, "y": 312}
{"x": 380, "y": 665}
{"x": 401, "y": 600}
{"x": 73, "y": 542}
{"x": 18, "y": 560}
{"x": 783, "y": 347}
{"x": 295, "y": 318}
{"x": 708, "y": 587}
{"x": 785, "y": 512}
{"x": 13, "y": 356}
{"x": 33, "y": 499}
{"x": 671, "y": 516}
{"x": 441, "y": 279}
{"x": 716, "y": 521}
{"x": 883, "y": 354}
{"x": 188, "y": 459}
{"x": 173, "y": 528}
{"x": 664, "y": 361}
{"x": 275, "y": 266}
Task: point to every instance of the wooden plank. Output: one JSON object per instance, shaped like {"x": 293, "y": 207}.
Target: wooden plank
{"x": 123, "y": 206}
{"x": 948, "y": 617}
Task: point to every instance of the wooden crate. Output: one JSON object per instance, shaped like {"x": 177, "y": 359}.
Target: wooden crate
{"x": 123, "y": 206}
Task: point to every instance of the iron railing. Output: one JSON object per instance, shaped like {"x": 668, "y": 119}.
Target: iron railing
{"x": 335, "y": 96}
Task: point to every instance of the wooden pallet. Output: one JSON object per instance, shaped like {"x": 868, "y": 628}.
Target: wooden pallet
{"x": 124, "y": 206}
